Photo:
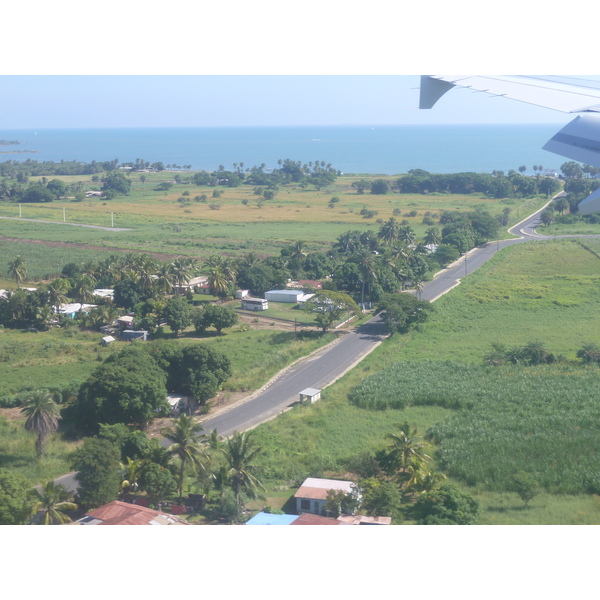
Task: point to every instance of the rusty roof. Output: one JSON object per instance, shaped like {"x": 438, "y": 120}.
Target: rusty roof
{"x": 308, "y": 519}
{"x": 123, "y": 513}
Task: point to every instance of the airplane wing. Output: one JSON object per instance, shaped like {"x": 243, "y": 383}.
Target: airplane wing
{"x": 579, "y": 140}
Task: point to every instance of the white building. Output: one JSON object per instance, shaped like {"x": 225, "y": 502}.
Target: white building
{"x": 291, "y": 296}
{"x": 312, "y": 494}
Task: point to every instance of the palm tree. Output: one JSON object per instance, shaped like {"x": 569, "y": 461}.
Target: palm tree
{"x": 42, "y": 416}
{"x": 163, "y": 284}
{"x": 496, "y": 356}
{"x": 407, "y": 451}
{"x": 49, "y": 504}
{"x": 535, "y": 353}
{"x": 181, "y": 271}
{"x": 366, "y": 263}
{"x": 57, "y": 292}
{"x": 240, "y": 450}
{"x": 389, "y": 231}
{"x": 185, "y": 436}
{"x": 298, "y": 251}
{"x": 217, "y": 281}
{"x": 83, "y": 290}
{"x": 432, "y": 236}
{"x": 406, "y": 234}
{"x": 17, "y": 269}
{"x": 589, "y": 353}
{"x": 132, "y": 474}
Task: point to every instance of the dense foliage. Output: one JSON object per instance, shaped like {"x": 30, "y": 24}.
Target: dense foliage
{"x": 98, "y": 472}
{"x": 446, "y": 506}
{"x": 14, "y": 490}
{"x": 129, "y": 387}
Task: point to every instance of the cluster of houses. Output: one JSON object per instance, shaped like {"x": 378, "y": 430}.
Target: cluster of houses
{"x": 310, "y": 508}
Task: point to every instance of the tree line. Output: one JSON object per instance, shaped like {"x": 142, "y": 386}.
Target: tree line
{"x": 15, "y": 186}
{"x": 495, "y": 184}
{"x": 535, "y": 352}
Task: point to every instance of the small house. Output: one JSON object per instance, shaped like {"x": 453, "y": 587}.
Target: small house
{"x": 178, "y": 404}
{"x": 198, "y": 284}
{"x": 125, "y": 322}
{"x": 71, "y": 310}
{"x": 312, "y": 494}
{"x": 106, "y": 340}
{"x": 310, "y": 395}
{"x": 104, "y": 293}
{"x": 123, "y": 513}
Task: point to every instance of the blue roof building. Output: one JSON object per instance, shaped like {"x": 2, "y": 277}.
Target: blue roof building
{"x": 263, "y": 518}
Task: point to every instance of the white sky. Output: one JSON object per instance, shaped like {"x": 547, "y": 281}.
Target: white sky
{"x": 241, "y": 63}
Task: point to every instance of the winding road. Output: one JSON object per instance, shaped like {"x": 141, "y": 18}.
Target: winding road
{"x": 330, "y": 363}
{"x": 327, "y": 365}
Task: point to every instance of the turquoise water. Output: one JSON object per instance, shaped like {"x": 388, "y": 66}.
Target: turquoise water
{"x": 351, "y": 149}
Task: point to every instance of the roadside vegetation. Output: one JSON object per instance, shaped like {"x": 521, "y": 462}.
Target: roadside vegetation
{"x": 451, "y": 420}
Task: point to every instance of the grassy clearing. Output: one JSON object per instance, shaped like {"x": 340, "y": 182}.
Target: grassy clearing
{"x": 56, "y": 357}
{"x": 543, "y": 290}
{"x": 17, "y": 452}
{"x": 47, "y": 359}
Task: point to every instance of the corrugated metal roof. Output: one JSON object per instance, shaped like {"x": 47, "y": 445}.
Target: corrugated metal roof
{"x": 308, "y": 519}
{"x": 316, "y": 489}
{"x": 263, "y": 518}
{"x": 123, "y": 513}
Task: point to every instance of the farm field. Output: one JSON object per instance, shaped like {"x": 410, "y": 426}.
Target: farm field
{"x": 544, "y": 291}
{"x": 171, "y": 224}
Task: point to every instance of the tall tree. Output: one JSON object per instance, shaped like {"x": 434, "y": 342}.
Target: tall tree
{"x": 240, "y": 450}
{"x": 186, "y": 445}
{"x": 129, "y": 387}
{"x": 98, "y": 467}
{"x": 57, "y": 292}
{"x": 42, "y": 415}
{"x": 330, "y": 307}
{"x": 17, "y": 269}
{"x": 406, "y": 453}
{"x": 50, "y": 502}
{"x": 389, "y": 231}
{"x": 83, "y": 289}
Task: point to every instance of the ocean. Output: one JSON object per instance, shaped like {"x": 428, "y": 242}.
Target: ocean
{"x": 379, "y": 149}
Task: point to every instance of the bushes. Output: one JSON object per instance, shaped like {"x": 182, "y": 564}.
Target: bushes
{"x": 446, "y": 506}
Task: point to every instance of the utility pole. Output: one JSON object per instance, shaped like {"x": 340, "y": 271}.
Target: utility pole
{"x": 64, "y": 215}
{"x": 112, "y": 219}
{"x": 20, "y": 211}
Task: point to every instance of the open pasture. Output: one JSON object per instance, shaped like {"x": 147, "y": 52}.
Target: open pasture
{"x": 177, "y": 222}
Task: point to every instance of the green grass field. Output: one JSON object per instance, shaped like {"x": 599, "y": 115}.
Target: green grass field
{"x": 544, "y": 291}
{"x": 163, "y": 225}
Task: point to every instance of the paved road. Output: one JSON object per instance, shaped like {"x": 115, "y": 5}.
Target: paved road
{"x": 452, "y": 276}
{"x": 317, "y": 371}
{"x": 328, "y": 365}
